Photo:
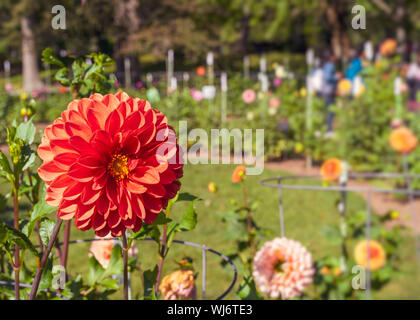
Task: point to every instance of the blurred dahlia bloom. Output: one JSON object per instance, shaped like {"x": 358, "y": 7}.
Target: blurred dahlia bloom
{"x": 8, "y": 87}
{"x": 331, "y": 169}
{"x": 388, "y": 47}
{"x": 274, "y": 102}
{"x": 248, "y": 96}
{"x": 179, "y": 285}
{"x": 403, "y": 140}
{"x": 238, "y": 174}
{"x": 344, "y": 87}
{"x": 377, "y": 254}
{"x": 283, "y": 267}
{"x": 197, "y": 95}
{"x": 101, "y": 250}
{"x": 111, "y": 162}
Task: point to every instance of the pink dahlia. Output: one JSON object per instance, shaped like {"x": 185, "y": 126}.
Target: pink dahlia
{"x": 283, "y": 267}
{"x": 248, "y": 96}
{"x": 111, "y": 162}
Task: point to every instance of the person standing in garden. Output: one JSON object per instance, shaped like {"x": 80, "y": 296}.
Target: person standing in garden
{"x": 330, "y": 78}
{"x": 355, "y": 65}
{"x": 413, "y": 80}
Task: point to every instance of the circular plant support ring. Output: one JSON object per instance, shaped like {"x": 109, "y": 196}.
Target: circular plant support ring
{"x": 279, "y": 184}
{"x": 204, "y": 251}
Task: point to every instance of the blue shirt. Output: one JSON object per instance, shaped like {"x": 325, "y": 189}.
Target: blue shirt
{"x": 354, "y": 68}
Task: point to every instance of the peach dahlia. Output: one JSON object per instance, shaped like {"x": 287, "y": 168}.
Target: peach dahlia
{"x": 111, "y": 162}
{"x": 283, "y": 267}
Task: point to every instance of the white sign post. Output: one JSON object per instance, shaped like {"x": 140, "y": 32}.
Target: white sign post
{"x": 127, "y": 72}
{"x": 224, "y": 88}
{"x": 170, "y": 67}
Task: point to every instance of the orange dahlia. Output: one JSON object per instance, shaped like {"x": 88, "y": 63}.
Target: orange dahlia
{"x": 178, "y": 285}
{"x": 101, "y": 250}
{"x": 238, "y": 174}
{"x": 377, "y": 254}
{"x": 201, "y": 71}
{"x": 111, "y": 162}
{"x": 283, "y": 267}
{"x": 388, "y": 47}
{"x": 331, "y": 169}
{"x": 344, "y": 87}
{"x": 403, "y": 140}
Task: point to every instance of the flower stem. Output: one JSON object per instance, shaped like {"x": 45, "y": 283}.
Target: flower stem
{"x": 16, "y": 225}
{"x": 161, "y": 258}
{"x": 125, "y": 261}
{"x": 44, "y": 259}
{"x": 63, "y": 260}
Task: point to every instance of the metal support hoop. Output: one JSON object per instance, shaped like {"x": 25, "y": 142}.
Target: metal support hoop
{"x": 204, "y": 268}
{"x": 277, "y": 183}
{"x": 187, "y": 243}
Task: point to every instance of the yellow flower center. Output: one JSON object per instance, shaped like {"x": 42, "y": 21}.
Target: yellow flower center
{"x": 118, "y": 167}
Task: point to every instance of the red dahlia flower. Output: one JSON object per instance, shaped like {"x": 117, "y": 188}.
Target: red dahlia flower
{"x": 111, "y": 162}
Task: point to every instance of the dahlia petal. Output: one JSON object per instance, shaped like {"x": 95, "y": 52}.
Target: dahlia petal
{"x": 90, "y": 196}
{"x": 134, "y": 187}
{"x": 81, "y": 173}
{"x": 45, "y": 153}
{"x": 103, "y": 204}
{"x": 85, "y": 212}
{"x": 96, "y": 116}
{"x": 73, "y": 191}
{"x": 167, "y": 177}
{"x": 131, "y": 145}
{"x": 65, "y": 216}
{"x": 172, "y": 189}
{"x": 146, "y": 174}
{"x": 118, "y": 230}
{"x": 65, "y": 160}
{"x": 133, "y": 121}
{"x": 154, "y": 205}
{"x": 111, "y": 101}
{"x": 81, "y": 145}
{"x": 62, "y": 181}
{"x": 111, "y": 190}
{"x": 114, "y": 122}
{"x": 103, "y": 232}
{"x": 98, "y": 222}
{"x": 49, "y": 171}
{"x": 61, "y": 146}
{"x": 138, "y": 206}
{"x": 113, "y": 219}
{"x": 156, "y": 190}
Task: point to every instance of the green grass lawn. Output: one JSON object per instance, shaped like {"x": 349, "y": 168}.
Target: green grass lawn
{"x": 306, "y": 212}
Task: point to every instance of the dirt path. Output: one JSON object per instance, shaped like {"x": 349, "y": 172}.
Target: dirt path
{"x": 381, "y": 202}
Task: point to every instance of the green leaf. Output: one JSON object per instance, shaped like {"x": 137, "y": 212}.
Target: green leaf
{"x": 41, "y": 210}
{"x": 26, "y": 131}
{"x": 247, "y": 289}
{"x": 45, "y": 230}
{"x": 29, "y": 162}
{"x": 116, "y": 263}
{"x": 20, "y": 239}
{"x": 332, "y": 234}
{"x": 5, "y": 169}
{"x": 189, "y": 219}
{"x": 96, "y": 271}
{"x": 4, "y": 232}
{"x": 49, "y": 57}
{"x": 149, "y": 277}
{"x": 161, "y": 219}
{"x": 185, "y": 196}
{"x": 62, "y": 76}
